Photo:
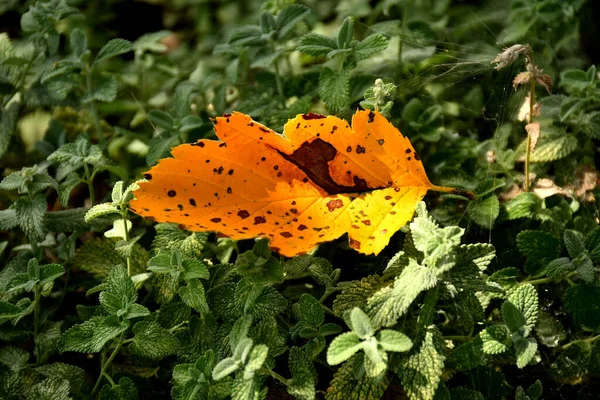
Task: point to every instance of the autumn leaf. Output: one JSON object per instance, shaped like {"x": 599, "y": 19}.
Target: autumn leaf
{"x": 319, "y": 180}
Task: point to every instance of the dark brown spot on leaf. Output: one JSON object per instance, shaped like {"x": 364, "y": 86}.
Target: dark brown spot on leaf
{"x": 381, "y": 142}
{"x": 171, "y": 193}
{"x": 366, "y": 222}
{"x": 229, "y": 190}
{"x": 286, "y": 235}
{"x": 388, "y": 197}
{"x": 349, "y": 149}
{"x": 147, "y": 176}
{"x": 215, "y": 220}
{"x": 302, "y": 227}
{"x": 334, "y": 204}
{"x": 230, "y": 172}
{"x": 360, "y": 149}
{"x": 371, "y": 119}
{"x": 259, "y": 220}
{"x": 311, "y": 115}
{"x": 355, "y": 244}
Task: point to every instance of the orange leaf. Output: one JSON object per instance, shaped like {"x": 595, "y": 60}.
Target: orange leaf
{"x": 319, "y": 181}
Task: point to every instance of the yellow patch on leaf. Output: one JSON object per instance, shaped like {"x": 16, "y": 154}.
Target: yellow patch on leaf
{"x": 319, "y": 180}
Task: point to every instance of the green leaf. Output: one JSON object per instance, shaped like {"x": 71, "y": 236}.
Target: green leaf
{"x": 513, "y": 317}
{"x": 78, "y": 42}
{"x": 302, "y": 384}
{"x": 74, "y": 375}
{"x": 348, "y": 385}
{"x": 360, "y": 323}
{"x": 585, "y": 268}
{"x": 14, "y": 358}
{"x": 124, "y": 390}
{"x": 257, "y": 358}
{"x": 151, "y": 42}
{"x": 288, "y": 18}
{"x": 421, "y": 373}
{"x": 161, "y": 119}
{"x": 105, "y": 89}
{"x": 461, "y": 393}
{"x": 534, "y": 392}
{"x": 525, "y": 349}
{"x": 30, "y": 214}
{"x": 495, "y": 339}
{"x": 119, "y": 292}
{"x": 539, "y": 248}
{"x": 354, "y": 293}
{"x": 92, "y": 335}
{"x": 248, "y": 35}
{"x": 152, "y": 341}
{"x": 259, "y": 269}
{"x": 50, "y": 389}
{"x": 224, "y": 368}
{"x": 310, "y": 310}
{"x": 334, "y": 89}
{"x": 484, "y": 211}
{"x": 582, "y": 302}
{"x": 29, "y": 180}
{"x": 525, "y": 205}
{"x": 391, "y": 340}
{"x": 113, "y": 48}
{"x": 8, "y": 123}
{"x": 574, "y": 243}
{"x": 525, "y": 299}
{"x": 98, "y": 257}
{"x": 576, "y": 80}
{"x": 66, "y": 221}
{"x": 346, "y": 33}
{"x": 554, "y": 149}
{"x": 316, "y": 45}
{"x": 193, "y": 295}
{"x": 389, "y": 303}
{"x": 343, "y": 347}
{"x": 257, "y": 300}
{"x": 370, "y": 45}
{"x": 466, "y": 356}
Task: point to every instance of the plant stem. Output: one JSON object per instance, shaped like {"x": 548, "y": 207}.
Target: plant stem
{"x": 278, "y": 79}
{"x": 88, "y": 180}
{"x": 403, "y": 25}
{"x": 588, "y": 340}
{"x": 127, "y": 240}
{"x": 548, "y": 280}
{"x": 107, "y": 363}
{"x": 528, "y": 150}
{"x": 273, "y": 374}
{"x": 36, "y": 321}
{"x": 93, "y": 111}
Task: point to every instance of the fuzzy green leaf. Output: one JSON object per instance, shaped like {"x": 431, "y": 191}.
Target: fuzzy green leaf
{"x": 30, "y": 214}
{"x": 355, "y": 293}
{"x": 124, "y": 390}
{"x": 152, "y": 341}
{"x": 525, "y": 205}
{"x": 389, "y": 303}
{"x": 288, "y": 18}
{"x": 512, "y": 316}
{"x": 78, "y": 42}
{"x": 113, "y": 48}
{"x": 334, "y": 89}
{"x": 360, "y": 324}
{"x": 343, "y": 347}
{"x": 75, "y": 375}
{"x": 574, "y": 243}
{"x": 421, "y": 373}
{"x": 92, "y": 335}
{"x": 302, "y": 384}
{"x": 310, "y": 310}
{"x": 347, "y": 385}
{"x": 193, "y": 295}
{"x": 8, "y": 122}
{"x": 554, "y": 149}
{"x": 370, "y": 45}
{"x": 50, "y": 389}
{"x": 495, "y": 339}
{"x": 525, "y": 299}
{"x": 525, "y": 349}
{"x": 539, "y": 248}
{"x": 582, "y": 302}
{"x": 484, "y": 211}
{"x": 316, "y": 45}
{"x": 14, "y": 358}
{"x": 391, "y": 340}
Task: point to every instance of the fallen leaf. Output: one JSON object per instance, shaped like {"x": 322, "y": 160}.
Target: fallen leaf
{"x": 319, "y": 180}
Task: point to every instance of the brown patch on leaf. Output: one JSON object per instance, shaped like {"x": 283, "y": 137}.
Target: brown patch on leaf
{"x": 533, "y": 130}
{"x": 334, "y": 204}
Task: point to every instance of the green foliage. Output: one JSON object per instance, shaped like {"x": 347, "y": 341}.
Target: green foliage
{"x": 96, "y": 302}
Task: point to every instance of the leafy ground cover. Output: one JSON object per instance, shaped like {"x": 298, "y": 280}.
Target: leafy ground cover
{"x": 492, "y": 298}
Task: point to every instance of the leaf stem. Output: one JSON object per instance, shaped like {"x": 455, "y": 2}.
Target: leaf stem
{"x": 89, "y": 179}
{"x": 403, "y": 25}
{"x": 93, "y": 111}
{"x": 588, "y": 340}
{"x": 548, "y": 280}
{"x": 36, "y": 322}
{"x": 278, "y": 79}
{"x": 273, "y": 374}
{"x": 528, "y": 150}
{"x": 124, "y": 215}
{"x": 107, "y": 363}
